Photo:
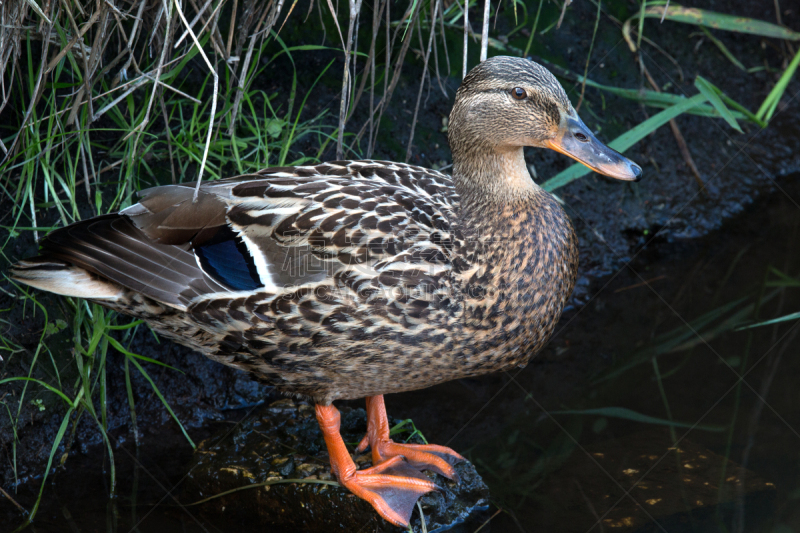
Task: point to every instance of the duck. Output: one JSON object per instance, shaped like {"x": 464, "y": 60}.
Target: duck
{"x": 356, "y": 279}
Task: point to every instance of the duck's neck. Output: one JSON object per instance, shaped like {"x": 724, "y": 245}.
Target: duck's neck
{"x": 520, "y": 258}
{"x": 488, "y": 180}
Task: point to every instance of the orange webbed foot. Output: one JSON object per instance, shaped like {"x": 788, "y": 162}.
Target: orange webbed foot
{"x": 391, "y": 494}
{"x": 391, "y": 487}
{"x": 438, "y": 459}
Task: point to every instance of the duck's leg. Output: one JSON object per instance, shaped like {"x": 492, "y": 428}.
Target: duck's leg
{"x": 439, "y": 459}
{"x": 392, "y": 495}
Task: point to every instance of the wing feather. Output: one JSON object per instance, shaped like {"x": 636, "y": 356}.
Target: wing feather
{"x": 358, "y": 224}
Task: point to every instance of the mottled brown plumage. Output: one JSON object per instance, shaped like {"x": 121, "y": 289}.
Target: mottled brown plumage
{"x": 355, "y": 279}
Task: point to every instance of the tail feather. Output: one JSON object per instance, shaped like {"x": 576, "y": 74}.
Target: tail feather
{"x": 65, "y": 279}
{"x": 107, "y": 257}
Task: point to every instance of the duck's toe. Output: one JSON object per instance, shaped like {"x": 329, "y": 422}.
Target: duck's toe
{"x": 438, "y": 459}
{"x": 391, "y": 487}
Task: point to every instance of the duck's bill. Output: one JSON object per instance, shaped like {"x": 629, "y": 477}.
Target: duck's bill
{"x": 578, "y": 142}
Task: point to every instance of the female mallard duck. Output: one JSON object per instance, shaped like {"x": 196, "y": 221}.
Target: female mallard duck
{"x": 356, "y": 279}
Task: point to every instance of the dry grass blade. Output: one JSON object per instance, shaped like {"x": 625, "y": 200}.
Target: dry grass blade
{"x": 376, "y": 20}
{"x": 336, "y": 21}
{"x": 193, "y": 22}
{"x": 355, "y": 9}
{"x": 86, "y": 68}
{"x": 37, "y": 93}
{"x": 129, "y": 43}
{"x": 422, "y": 81}
{"x": 231, "y": 27}
{"x": 248, "y": 17}
{"x": 162, "y": 58}
{"x": 38, "y": 10}
{"x": 214, "y": 35}
{"x": 91, "y": 67}
{"x": 563, "y": 12}
{"x": 13, "y": 501}
{"x": 398, "y": 65}
{"x": 291, "y": 8}
{"x": 446, "y": 53}
{"x": 12, "y": 17}
{"x": 86, "y": 27}
{"x": 467, "y": 31}
{"x": 370, "y": 68}
{"x": 345, "y": 78}
{"x": 213, "y": 100}
{"x": 487, "y": 6}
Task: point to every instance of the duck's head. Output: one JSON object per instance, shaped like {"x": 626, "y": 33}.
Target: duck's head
{"x": 506, "y": 103}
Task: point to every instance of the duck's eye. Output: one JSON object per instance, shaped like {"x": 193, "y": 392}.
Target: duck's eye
{"x": 518, "y": 93}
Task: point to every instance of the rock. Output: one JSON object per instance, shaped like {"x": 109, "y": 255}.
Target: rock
{"x": 282, "y": 445}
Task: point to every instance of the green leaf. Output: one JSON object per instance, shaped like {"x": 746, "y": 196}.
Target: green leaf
{"x": 43, "y": 384}
{"x": 770, "y": 103}
{"x": 125, "y": 326}
{"x": 654, "y": 98}
{"x": 712, "y": 94}
{"x": 723, "y": 21}
{"x": 161, "y": 397}
{"x": 628, "y": 414}
{"x": 724, "y": 49}
{"x": 117, "y": 346}
{"x": 626, "y": 140}
{"x": 274, "y": 126}
{"x": 62, "y": 429}
{"x": 181, "y": 66}
{"x": 54, "y": 327}
{"x": 785, "y": 318}
{"x": 711, "y": 19}
{"x": 783, "y": 281}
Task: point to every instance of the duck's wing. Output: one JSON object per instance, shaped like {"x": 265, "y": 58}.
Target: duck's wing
{"x": 113, "y": 248}
{"x": 362, "y": 220}
{"x": 365, "y": 224}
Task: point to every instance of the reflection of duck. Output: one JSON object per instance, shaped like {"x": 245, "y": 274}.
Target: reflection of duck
{"x": 355, "y": 279}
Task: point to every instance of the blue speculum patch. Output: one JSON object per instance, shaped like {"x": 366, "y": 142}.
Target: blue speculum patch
{"x": 227, "y": 259}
